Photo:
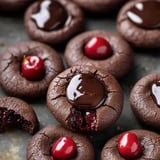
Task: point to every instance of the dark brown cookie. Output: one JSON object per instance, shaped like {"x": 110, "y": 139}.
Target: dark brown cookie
{"x": 40, "y": 145}
{"x": 85, "y": 99}
{"x": 150, "y": 142}
{"x": 14, "y": 6}
{"x": 145, "y": 100}
{"x": 15, "y": 113}
{"x": 11, "y": 78}
{"x": 62, "y": 20}
{"x": 139, "y": 23}
{"x": 118, "y": 64}
{"x": 100, "y": 6}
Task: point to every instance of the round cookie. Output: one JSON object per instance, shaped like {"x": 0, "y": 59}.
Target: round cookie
{"x": 85, "y": 99}
{"x": 145, "y": 100}
{"x": 53, "y": 22}
{"x": 121, "y": 55}
{"x": 11, "y": 6}
{"x": 11, "y": 78}
{"x": 15, "y": 113}
{"x": 138, "y": 25}
{"x": 100, "y": 6}
{"x": 149, "y": 141}
{"x": 40, "y": 145}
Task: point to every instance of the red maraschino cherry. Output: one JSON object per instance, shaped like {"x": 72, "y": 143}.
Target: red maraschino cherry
{"x": 97, "y": 48}
{"x": 129, "y": 146}
{"x": 33, "y": 68}
{"x": 63, "y": 149}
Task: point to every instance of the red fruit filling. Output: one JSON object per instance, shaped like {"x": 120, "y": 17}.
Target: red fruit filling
{"x": 129, "y": 146}
{"x": 83, "y": 120}
{"x": 63, "y": 149}
{"x": 8, "y": 118}
{"x": 97, "y": 48}
{"x": 33, "y": 68}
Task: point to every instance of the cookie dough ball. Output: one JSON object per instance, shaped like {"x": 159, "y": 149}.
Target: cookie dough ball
{"x": 85, "y": 99}
{"x": 13, "y": 80}
{"x": 53, "y": 22}
{"x": 146, "y": 145}
{"x": 139, "y": 23}
{"x": 41, "y": 145}
{"x": 145, "y": 100}
{"x": 102, "y": 49}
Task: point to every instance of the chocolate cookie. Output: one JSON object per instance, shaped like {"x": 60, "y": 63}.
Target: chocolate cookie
{"x": 145, "y": 100}
{"x": 114, "y": 55}
{"x": 149, "y": 143}
{"x": 14, "y": 82}
{"x": 11, "y": 6}
{"x": 40, "y": 145}
{"x": 139, "y": 23}
{"x": 100, "y": 6}
{"x": 15, "y": 113}
{"x": 53, "y": 21}
{"x": 85, "y": 99}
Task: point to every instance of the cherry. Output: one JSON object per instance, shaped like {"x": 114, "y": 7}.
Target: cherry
{"x": 33, "y": 68}
{"x": 97, "y": 48}
{"x": 63, "y": 148}
{"x": 129, "y": 146}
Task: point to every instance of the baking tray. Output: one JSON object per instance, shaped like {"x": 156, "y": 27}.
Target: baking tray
{"x": 13, "y": 143}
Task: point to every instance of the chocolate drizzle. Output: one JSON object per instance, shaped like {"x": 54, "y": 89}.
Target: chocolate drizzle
{"x": 85, "y": 91}
{"x": 145, "y": 14}
{"x": 50, "y": 15}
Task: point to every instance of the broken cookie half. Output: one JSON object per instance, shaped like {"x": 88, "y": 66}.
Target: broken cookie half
{"x": 16, "y": 113}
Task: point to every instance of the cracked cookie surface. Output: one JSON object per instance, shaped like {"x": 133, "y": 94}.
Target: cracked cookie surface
{"x": 11, "y": 78}
{"x": 85, "y": 119}
{"x": 73, "y": 25}
{"x": 118, "y": 64}
{"x": 144, "y": 100}
{"x": 15, "y": 113}
{"x": 40, "y": 145}
{"x": 137, "y": 36}
{"x": 149, "y": 140}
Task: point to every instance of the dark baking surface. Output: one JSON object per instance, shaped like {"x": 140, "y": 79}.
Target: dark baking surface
{"x": 13, "y": 143}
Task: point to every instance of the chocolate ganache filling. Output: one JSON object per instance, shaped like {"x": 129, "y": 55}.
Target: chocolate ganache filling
{"x": 155, "y": 90}
{"x": 50, "y": 15}
{"x": 86, "y": 93}
{"x": 145, "y": 14}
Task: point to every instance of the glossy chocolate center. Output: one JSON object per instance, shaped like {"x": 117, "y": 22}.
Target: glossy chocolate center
{"x": 146, "y": 14}
{"x": 85, "y": 91}
{"x": 156, "y": 92}
{"x": 50, "y": 15}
